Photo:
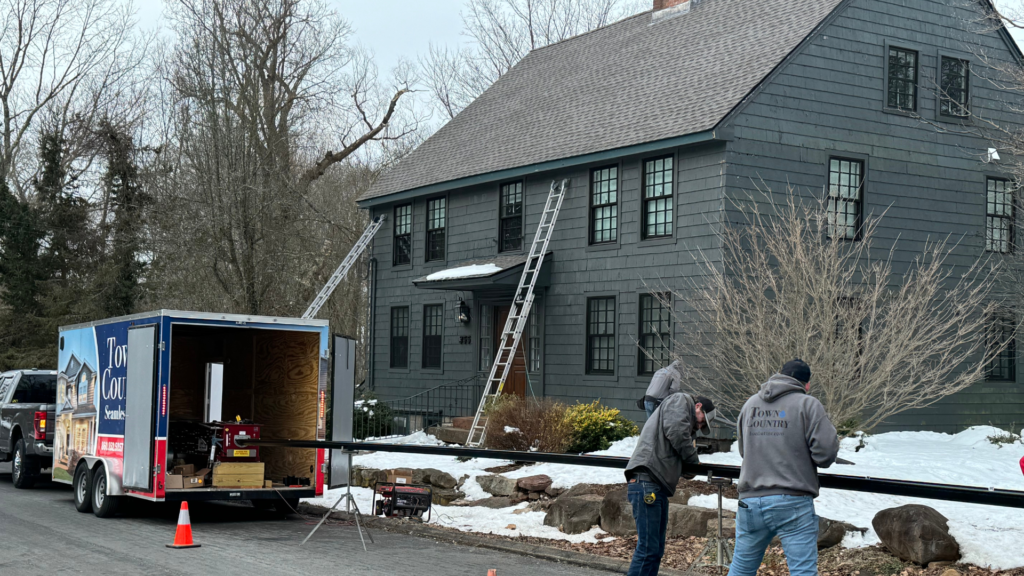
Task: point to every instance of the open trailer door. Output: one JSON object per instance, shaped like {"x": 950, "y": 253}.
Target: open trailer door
{"x": 343, "y": 375}
{"x": 140, "y": 394}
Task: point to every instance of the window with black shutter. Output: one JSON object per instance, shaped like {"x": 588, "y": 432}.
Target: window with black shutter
{"x": 511, "y": 217}
{"x": 845, "y": 191}
{"x": 601, "y": 335}
{"x": 400, "y": 337}
{"x": 655, "y": 332}
{"x": 657, "y": 198}
{"x": 604, "y": 205}
{"x": 999, "y": 216}
{"x": 902, "y": 89}
{"x": 436, "y": 224}
{"x": 403, "y": 235}
{"x": 432, "y": 322}
{"x": 954, "y": 87}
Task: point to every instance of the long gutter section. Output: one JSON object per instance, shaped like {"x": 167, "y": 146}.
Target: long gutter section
{"x": 948, "y": 492}
{"x": 695, "y": 138}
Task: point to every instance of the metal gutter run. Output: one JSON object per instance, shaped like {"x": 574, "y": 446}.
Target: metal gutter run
{"x": 695, "y": 138}
{"x": 948, "y": 492}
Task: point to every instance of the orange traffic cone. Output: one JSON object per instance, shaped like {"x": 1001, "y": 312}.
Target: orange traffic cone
{"x": 183, "y": 535}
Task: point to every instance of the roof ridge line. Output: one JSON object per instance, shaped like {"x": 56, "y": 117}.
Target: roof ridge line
{"x": 582, "y": 34}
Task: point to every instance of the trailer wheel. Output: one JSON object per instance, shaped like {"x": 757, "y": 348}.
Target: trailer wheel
{"x": 103, "y": 504}
{"x": 83, "y": 488}
{"x": 286, "y": 506}
{"x": 25, "y": 469}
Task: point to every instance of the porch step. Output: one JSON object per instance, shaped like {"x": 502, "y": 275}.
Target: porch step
{"x": 466, "y": 422}
{"x": 449, "y": 434}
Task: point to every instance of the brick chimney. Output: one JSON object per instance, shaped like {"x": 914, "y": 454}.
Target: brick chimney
{"x": 662, "y": 4}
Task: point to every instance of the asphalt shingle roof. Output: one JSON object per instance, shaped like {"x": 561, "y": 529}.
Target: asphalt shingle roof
{"x": 633, "y": 82}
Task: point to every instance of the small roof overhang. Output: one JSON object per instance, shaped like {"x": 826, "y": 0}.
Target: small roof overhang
{"x": 498, "y": 275}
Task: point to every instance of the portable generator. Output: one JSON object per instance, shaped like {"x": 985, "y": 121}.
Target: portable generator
{"x": 229, "y": 449}
{"x": 400, "y": 500}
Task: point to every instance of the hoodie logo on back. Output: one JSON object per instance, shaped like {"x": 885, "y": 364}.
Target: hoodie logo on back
{"x": 761, "y": 418}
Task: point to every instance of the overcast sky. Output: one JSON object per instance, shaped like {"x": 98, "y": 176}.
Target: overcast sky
{"x": 391, "y": 29}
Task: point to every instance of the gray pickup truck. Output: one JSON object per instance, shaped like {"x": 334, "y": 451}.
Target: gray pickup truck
{"x": 27, "y": 406}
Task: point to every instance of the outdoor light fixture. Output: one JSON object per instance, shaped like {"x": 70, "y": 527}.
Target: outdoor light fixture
{"x": 463, "y": 312}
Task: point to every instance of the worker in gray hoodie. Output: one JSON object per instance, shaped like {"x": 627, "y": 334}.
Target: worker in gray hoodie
{"x": 664, "y": 382}
{"x": 665, "y": 443}
{"x": 784, "y": 436}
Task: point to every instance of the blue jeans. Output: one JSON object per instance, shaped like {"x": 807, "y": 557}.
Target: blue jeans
{"x": 651, "y": 525}
{"x": 650, "y": 406}
{"x": 792, "y": 518}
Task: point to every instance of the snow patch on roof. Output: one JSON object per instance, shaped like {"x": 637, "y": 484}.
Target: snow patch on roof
{"x": 470, "y": 271}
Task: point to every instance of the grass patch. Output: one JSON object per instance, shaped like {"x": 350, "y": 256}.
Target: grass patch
{"x": 1006, "y": 437}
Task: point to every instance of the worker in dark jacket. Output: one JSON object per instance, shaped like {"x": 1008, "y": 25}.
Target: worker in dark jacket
{"x": 665, "y": 443}
{"x": 784, "y": 436}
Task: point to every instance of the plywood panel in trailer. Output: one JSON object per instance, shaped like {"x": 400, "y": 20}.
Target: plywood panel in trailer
{"x": 285, "y": 395}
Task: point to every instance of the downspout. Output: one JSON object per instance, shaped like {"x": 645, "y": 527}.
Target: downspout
{"x": 372, "y": 273}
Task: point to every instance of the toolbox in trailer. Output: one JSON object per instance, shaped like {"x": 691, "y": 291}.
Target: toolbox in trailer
{"x": 153, "y": 406}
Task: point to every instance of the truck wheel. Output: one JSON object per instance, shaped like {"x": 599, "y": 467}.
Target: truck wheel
{"x": 103, "y": 504}
{"x": 83, "y": 488}
{"x": 25, "y": 469}
{"x": 286, "y": 506}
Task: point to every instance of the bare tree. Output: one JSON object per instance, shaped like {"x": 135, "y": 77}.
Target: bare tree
{"x": 503, "y": 32}
{"x": 879, "y": 342}
{"x": 69, "y": 60}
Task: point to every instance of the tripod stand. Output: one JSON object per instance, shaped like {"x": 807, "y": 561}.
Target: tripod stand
{"x": 723, "y": 557}
{"x": 350, "y": 505}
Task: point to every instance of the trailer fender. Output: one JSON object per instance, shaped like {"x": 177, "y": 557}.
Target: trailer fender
{"x": 113, "y": 481}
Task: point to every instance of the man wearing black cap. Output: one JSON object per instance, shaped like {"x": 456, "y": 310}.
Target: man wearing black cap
{"x": 665, "y": 443}
{"x": 784, "y": 436}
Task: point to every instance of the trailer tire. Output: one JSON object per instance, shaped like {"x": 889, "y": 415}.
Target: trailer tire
{"x": 83, "y": 488}
{"x": 103, "y": 504}
{"x": 25, "y": 469}
{"x": 286, "y": 506}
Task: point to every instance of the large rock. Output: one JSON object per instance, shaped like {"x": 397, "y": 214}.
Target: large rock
{"x": 916, "y": 533}
{"x": 443, "y": 480}
{"x": 497, "y": 485}
{"x": 537, "y": 483}
{"x": 574, "y": 515}
{"x": 728, "y": 527}
{"x": 494, "y": 502}
{"x": 685, "y": 521}
{"x": 445, "y": 496}
{"x": 616, "y": 513}
{"x": 832, "y": 532}
{"x": 680, "y": 497}
{"x": 585, "y": 489}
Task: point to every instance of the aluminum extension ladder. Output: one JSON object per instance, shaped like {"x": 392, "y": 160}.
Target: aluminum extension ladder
{"x": 342, "y": 270}
{"x": 520, "y": 312}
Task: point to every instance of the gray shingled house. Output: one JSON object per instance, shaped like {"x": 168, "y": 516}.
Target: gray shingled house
{"x": 658, "y": 120}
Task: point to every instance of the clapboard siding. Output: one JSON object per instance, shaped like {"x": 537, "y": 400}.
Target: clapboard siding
{"x": 578, "y": 271}
{"x": 828, "y": 101}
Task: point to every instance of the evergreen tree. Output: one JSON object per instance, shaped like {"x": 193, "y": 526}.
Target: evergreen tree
{"x": 125, "y": 268}
{"x": 21, "y": 271}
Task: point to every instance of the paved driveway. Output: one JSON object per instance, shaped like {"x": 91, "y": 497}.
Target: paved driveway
{"x": 41, "y": 533}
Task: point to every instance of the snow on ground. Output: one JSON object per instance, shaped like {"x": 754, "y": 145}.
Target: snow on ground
{"x": 471, "y": 518}
{"x": 464, "y": 272}
{"x": 988, "y": 535}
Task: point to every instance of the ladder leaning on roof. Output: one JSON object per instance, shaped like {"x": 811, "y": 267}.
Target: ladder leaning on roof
{"x": 521, "y": 304}
{"x": 343, "y": 269}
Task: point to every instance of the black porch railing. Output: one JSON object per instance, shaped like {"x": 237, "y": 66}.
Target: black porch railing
{"x": 436, "y": 406}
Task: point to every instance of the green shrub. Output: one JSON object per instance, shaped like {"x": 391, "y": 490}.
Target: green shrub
{"x": 525, "y": 424}
{"x": 371, "y": 418}
{"x": 594, "y": 427}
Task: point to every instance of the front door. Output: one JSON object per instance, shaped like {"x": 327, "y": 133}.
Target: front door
{"x": 515, "y": 383}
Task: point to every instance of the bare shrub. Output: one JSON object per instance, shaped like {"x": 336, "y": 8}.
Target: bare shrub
{"x": 879, "y": 342}
{"x": 525, "y": 424}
